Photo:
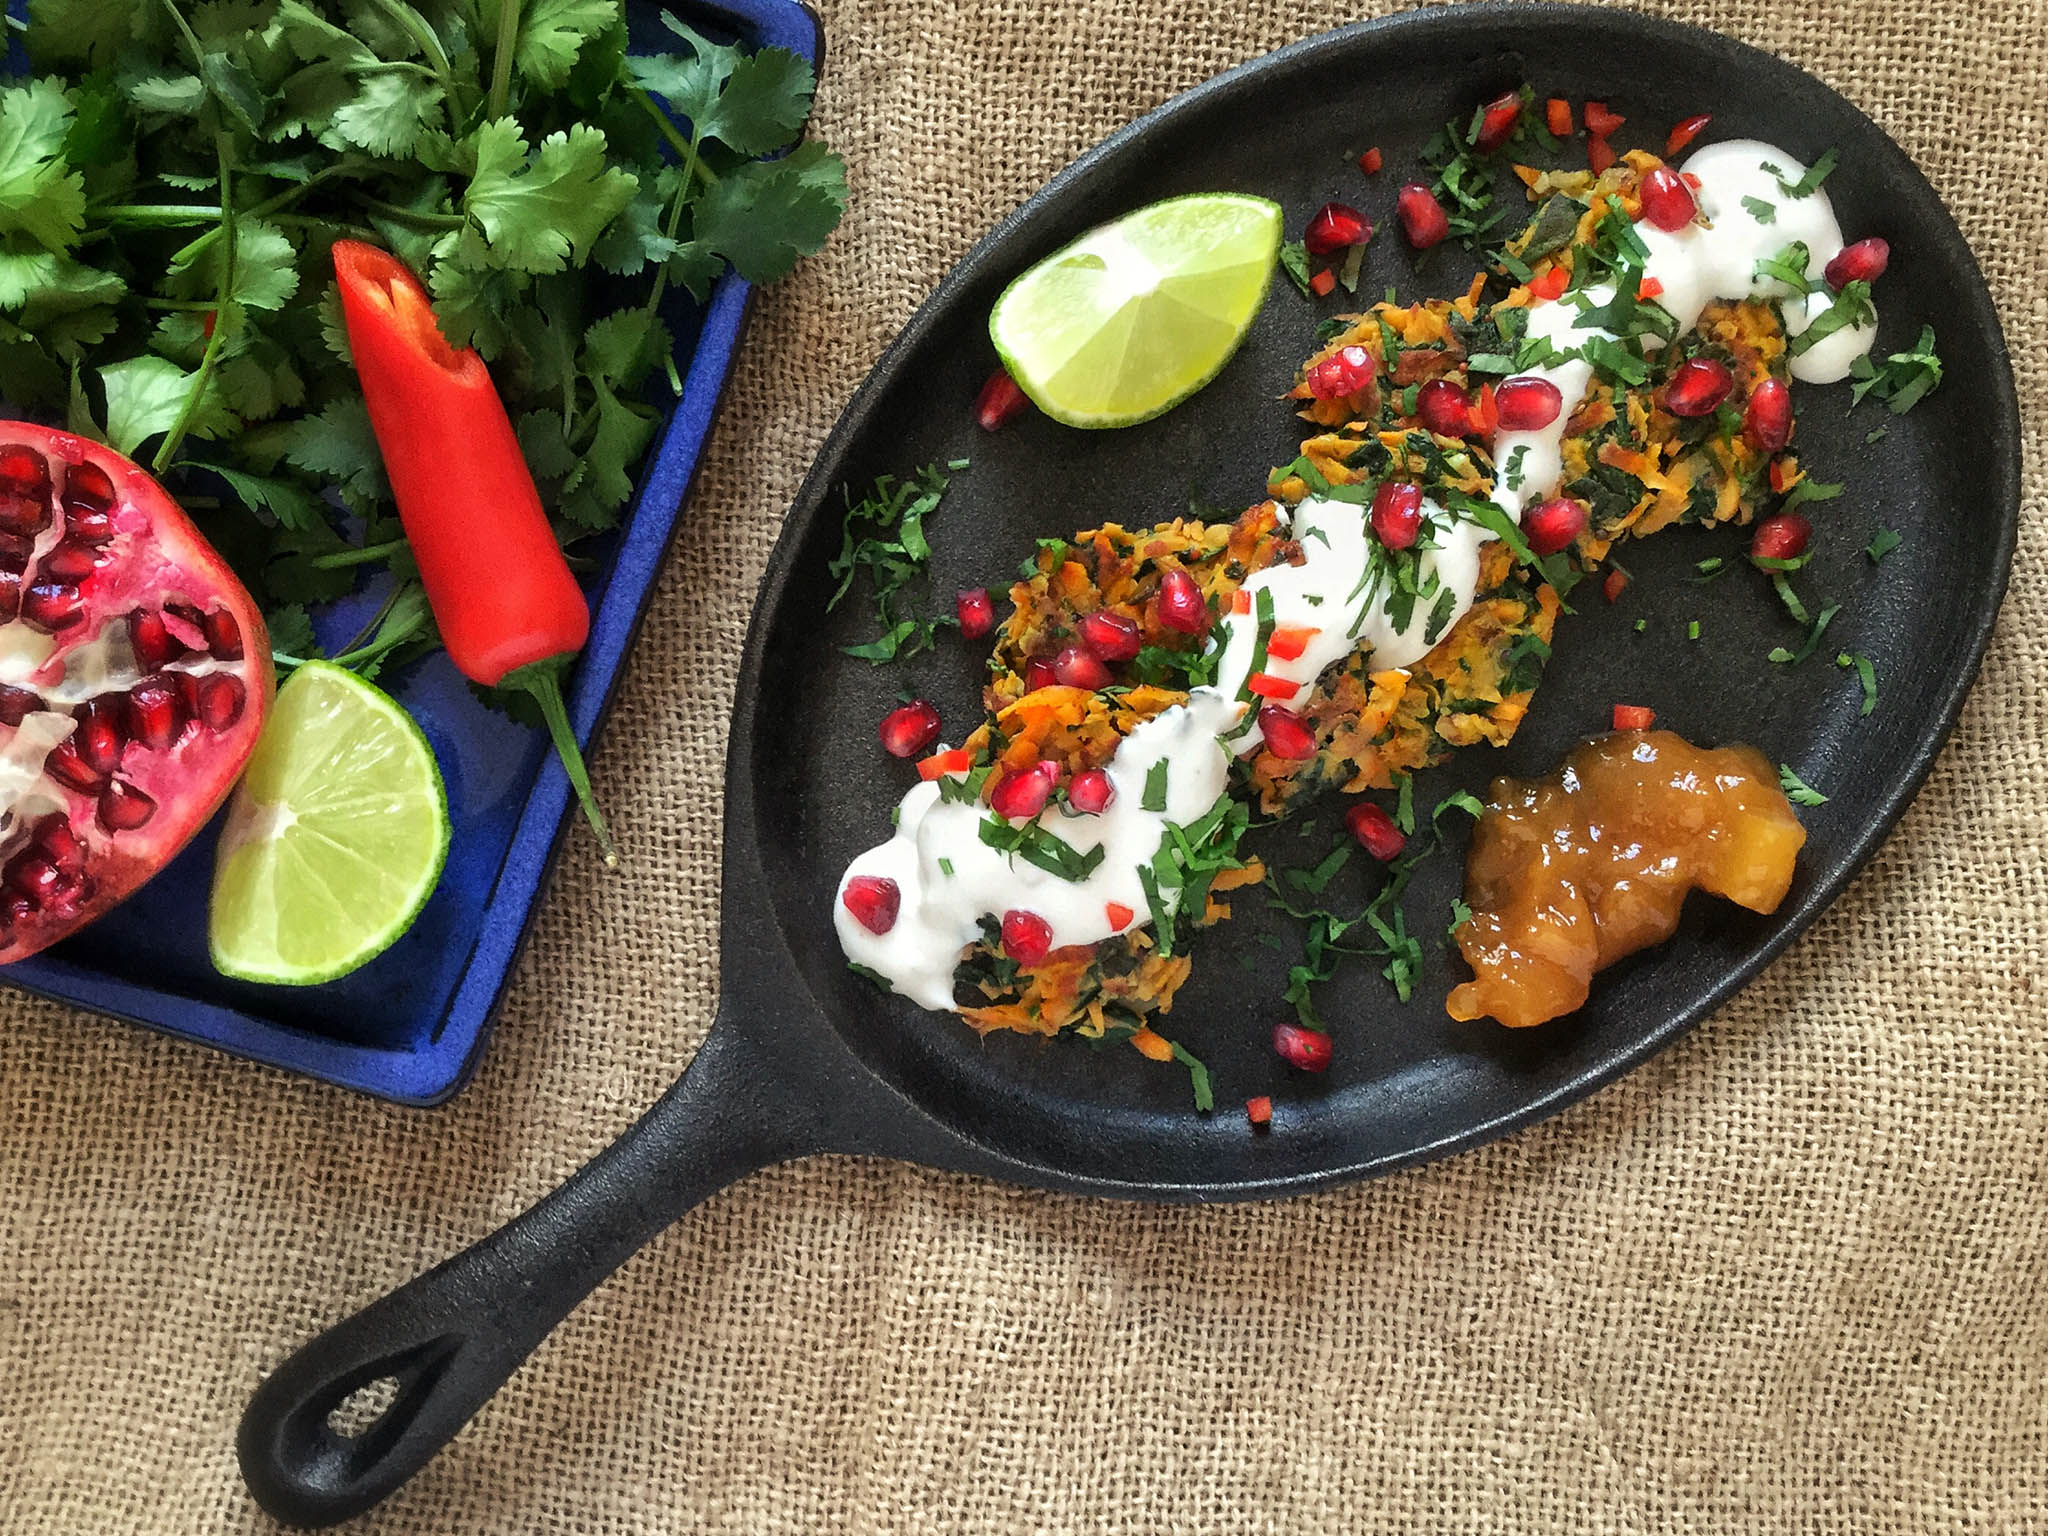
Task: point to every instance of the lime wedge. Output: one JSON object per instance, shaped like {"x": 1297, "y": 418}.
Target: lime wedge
{"x": 1138, "y": 314}
{"x": 334, "y": 838}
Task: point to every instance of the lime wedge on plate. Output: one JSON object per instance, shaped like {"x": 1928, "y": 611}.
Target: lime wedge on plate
{"x": 1137, "y": 315}
{"x": 334, "y": 838}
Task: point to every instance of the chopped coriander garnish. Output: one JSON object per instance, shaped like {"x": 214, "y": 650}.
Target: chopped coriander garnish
{"x": 1710, "y": 569}
{"x": 1809, "y": 489}
{"x": 1514, "y": 469}
{"x": 1311, "y": 882}
{"x": 1154, "y": 798}
{"x": 956, "y": 464}
{"x": 1882, "y": 544}
{"x": 1789, "y": 266}
{"x": 1904, "y": 381}
{"x": 1875, "y": 436}
{"x": 1797, "y": 790}
{"x": 1761, "y": 211}
{"x": 1852, "y": 307}
{"x": 1460, "y": 916}
{"x": 1642, "y": 625}
{"x": 1812, "y": 641}
{"x": 1038, "y": 846}
{"x": 883, "y": 534}
{"x": 1198, "y": 1075}
{"x": 869, "y": 973}
{"x": 1866, "y": 674}
{"x": 1808, "y": 184}
{"x": 1692, "y": 630}
{"x": 1404, "y": 805}
{"x": 1294, "y": 262}
{"x": 946, "y": 868}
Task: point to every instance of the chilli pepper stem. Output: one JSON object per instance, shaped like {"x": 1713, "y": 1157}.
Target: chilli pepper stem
{"x": 542, "y": 680}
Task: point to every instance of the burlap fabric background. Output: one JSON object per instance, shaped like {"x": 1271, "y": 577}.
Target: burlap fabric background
{"x": 1787, "y": 1278}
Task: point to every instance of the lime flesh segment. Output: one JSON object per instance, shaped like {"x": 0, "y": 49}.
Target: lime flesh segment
{"x": 335, "y": 836}
{"x": 1138, "y": 314}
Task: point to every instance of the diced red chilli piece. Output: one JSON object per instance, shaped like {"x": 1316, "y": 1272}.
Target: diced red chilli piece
{"x": 1528, "y": 404}
{"x": 1667, "y": 201}
{"x": 1111, "y": 636}
{"x": 1090, "y": 792}
{"x": 1633, "y": 717}
{"x": 1485, "y": 415}
{"x": 1444, "y": 408}
{"x": 1397, "y": 513}
{"x": 1612, "y": 585}
{"x": 1078, "y": 667}
{"x": 1335, "y": 227}
{"x": 1344, "y": 372}
{"x": 17, "y": 704}
{"x": 1599, "y": 121}
{"x": 1698, "y": 386}
{"x": 1371, "y": 161}
{"x": 123, "y": 807}
{"x": 1288, "y": 641}
{"x": 909, "y": 729}
{"x": 1497, "y": 120}
{"x": 1259, "y": 1111}
{"x": 939, "y": 764}
{"x": 1027, "y": 937}
{"x": 1322, "y": 282}
{"x": 1767, "y": 420}
{"x": 220, "y": 700}
{"x": 1119, "y": 915}
{"x": 1241, "y": 600}
{"x": 1557, "y": 117}
{"x": 1020, "y": 794}
{"x": 1553, "y": 525}
{"x": 1422, "y": 217}
{"x": 1650, "y": 288}
{"x": 1784, "y": 474}
{"x": 1306, "y": 1050}
{"x": 1181, "y": 606}
{"x": 1038, "y": 674}
{"x": 1268, "y": 686}
{"x": 1287, "y": 734}
{"x": 874, "y": 901}
{"x": 1690, "y": 180}
{"x": 1000, "y": 402}
{"x": 1600, "y": 156}
{"x": 1551, "y": 284}
{"x": 1375, "y": 831}
{"x": 1781, "y": 536}
{"x": 1685, "y": 131}
{"x": 1863, "y": 262}
{"x": 976, "y": 613}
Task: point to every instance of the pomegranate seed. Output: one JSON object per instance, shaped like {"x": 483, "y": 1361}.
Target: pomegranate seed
{"x": 70, "y": 561}
{"x": 1111, "y": 636}
{"x": 1345, "y": 372}
{"x": 1685, "y": 132}
{"x": 1781, "y": 536}
{"x": 1022, "y": 794}
{"x": 1444, "y": 408}
{"x": 52, "y": 605}
{"x": 66, "y": 849}
{"x": 1600, "y": 154}
{"x": 1375, "y": 831}
{"x": 908, "y": 728}
{"x": 1633, "y": 717}
{"x": 123, "y": 807}
{"x": 1497, "y": 120}
{"x": 16, "y": 704}
{"x": 1078, "y": 667}
{"x": 153, "y": 713}
{"x": 155, "y": 648}
{"x": 1090, "y": 792}
{"x": 24, "y": 516}
{"x": 15, "y": 908}
{"x": 1335, "y": 227}
{"x": 15, "y": 551}
{"x": 1259, "y": 1111}
{"x": 10, "y": 595}
{"x": 1397, "y": 513}
{"x": 36, "y": 878}
{"x": 977, "y": 614}
{"x": 1698, "y": 386}
{"x": 1553, "y": 525}
{"x": 99, "y": 735}
{"x": 223, "y": 634}
{"x": 1308, "y": 1050}
{"x": 1613, "y": 585}
{"x": 1422, "y": 217}
{"x": 1600, "y": 122}
{"x": 874, "y": 901}
{"x": 1863, "y": 262}
{"x": 1767, "y": 423}
{"x": 1287, "y": 734}
{"x": 88, "y": 488}
{"x": 1371, "y": 161}
{"x": 1118, "y": 914}
{"x": 1000, "y": 401}
{"x": 1038, "y": 674}
{"x": 1181, "y": 606}
{"x": 220, "y": 701}
{"x": 23, "y": 471}
{"x": 1528, "y": 404}
{"x": 1027, "y": 937}
{"x": 69, "y": 769}
{"x": 1667, "y": 201}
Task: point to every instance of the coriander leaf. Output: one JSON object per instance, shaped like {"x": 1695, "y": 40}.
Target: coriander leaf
{"x": 763, "y": 215}
{"x": 1866, "y": 675}
{"x": 1797, "y": 790}
{"x": 288, "y": 504}
{"x": 179, "y": 95}
{"x": 623, "y": 347}
{"x": 1808, "y": 184}
{"x": 291, "y": 631}
{"x": 623, "y": 433}
{"x": 1198, "y": 1077}
{"x": 1809, "y": 489}
{"x": 1154, "y": 797}
{"x": 147, "y": 394}
{"x": 266, "y": 270}
{"x": 337, "y": 445}
{"x": 389, "y": 113}
{"x": 1761, "y": 211}
{"x": 634, "y": 239}
{"x": 40, "y": 197}
{"x": 1882, "y": 544}
{"x": 538, "y": 214}
{"x": 1294, "y": 262}
{"x": 551, "y": 35}
{"x": 1906, "y": 378}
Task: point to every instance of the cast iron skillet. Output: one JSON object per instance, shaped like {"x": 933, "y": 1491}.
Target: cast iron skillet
{"x": 804, "y": 1057}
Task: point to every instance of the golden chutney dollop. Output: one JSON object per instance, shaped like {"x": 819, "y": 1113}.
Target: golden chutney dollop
{"x": 1571, "y": 873}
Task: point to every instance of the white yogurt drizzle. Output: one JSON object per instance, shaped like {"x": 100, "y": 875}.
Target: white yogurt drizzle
{"x": 949, "y": 879}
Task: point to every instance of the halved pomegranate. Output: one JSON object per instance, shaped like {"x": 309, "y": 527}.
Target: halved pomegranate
{"x": 134, "y": 679}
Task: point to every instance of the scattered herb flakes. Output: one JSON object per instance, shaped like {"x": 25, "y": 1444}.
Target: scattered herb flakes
{"x": 869, "y": 973}
{"x": 1642, "y": 626}
{"x": 1809, "y": 489}
{"x": 1811, "y": 643}
{"x": 1312, "y": 882}
{"x": 1882, "y": 544}
{"x": 946, "y": 868}
{"x": 1710, "y": 569}
{"x": 1692, "y": 630}
{"x": 1294, "y": 262}
{"x": 1154, "y": 797}
{"x": 1797, "y": 790}
{"x": 1035, "y": 845}
{"x": 1876, "y": 435}
{"x": 1404, "y": 805}
{"x": 1852, "y": 307}
{"x": 1198, "y": 1078}
{"x": 1761, "y": 211}
{"x": 1903, "y": 382}
{"x": 883, "y": 534}
{"x": 1808, "y": 184}
{"x": 1866, "y": 674}
{"x": 1789, "y": 264}
{"x": 1460, "y": 916}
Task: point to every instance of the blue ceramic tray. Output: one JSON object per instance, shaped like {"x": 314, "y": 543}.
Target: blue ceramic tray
{"x": 410, "y": 1025}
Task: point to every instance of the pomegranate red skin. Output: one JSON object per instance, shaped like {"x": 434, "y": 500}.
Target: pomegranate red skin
{"x": 1782, "y": 536}
{"x": 103, "y": 828}
{"x": 1863, "y": 262}
{"x": 1553, "y": 525}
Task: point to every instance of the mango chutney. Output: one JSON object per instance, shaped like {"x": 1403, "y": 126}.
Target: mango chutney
{"x": 1571, "y": 873}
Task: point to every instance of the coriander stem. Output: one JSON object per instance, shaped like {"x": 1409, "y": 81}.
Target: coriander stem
{"x": 426, "y": 219}
{"x": 363, "y": 556}
{"x": 189, "y": 252}
{"x": 159, "y": 213}
{"x": 360, "y": 644}
{"x": 416, "y": 28}
{"x": 151, "y": 301}
{"x": 501, "y": 56}
{"x": 203, "y": 375}
{"x": 669, "y": 131}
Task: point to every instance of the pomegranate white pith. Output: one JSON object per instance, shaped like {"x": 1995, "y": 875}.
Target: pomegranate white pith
{"x": 134, "y": 678}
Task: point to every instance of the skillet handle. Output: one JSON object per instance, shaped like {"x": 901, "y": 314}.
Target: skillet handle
{"x": 448, "y": 1340}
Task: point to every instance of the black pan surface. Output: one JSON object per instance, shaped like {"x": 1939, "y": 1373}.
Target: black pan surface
{"x": 804, "y": 1056}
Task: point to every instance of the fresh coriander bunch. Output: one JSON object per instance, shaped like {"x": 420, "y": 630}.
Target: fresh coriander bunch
{"x": 172, "y": 176}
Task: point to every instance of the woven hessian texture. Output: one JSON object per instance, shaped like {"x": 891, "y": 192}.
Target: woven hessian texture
{"x": 1787, "y": 1278}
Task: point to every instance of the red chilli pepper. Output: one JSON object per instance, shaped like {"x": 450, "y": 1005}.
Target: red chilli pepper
{"x": 1371, "y": 161}
{"x": 1323, "y": 283}
{"x": 1599, "y": 121}
{"x": 508, "y": 610}
{"x": 1551, "y": 284}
